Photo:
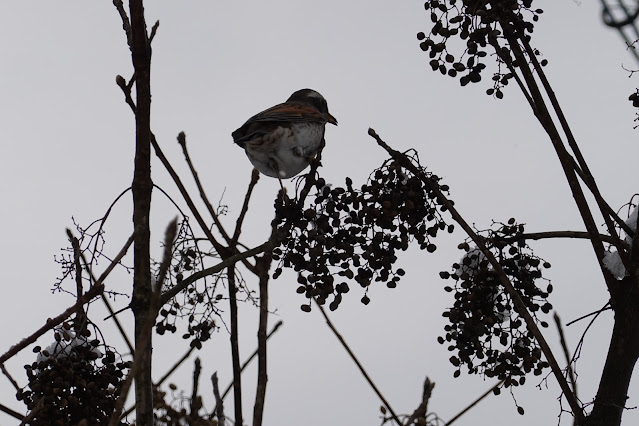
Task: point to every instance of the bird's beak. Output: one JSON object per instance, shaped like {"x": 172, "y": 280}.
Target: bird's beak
{"x": 331, "y": 119}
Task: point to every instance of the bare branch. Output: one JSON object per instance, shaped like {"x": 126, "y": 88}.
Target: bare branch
{"x": 196, "y": 402}
{"x": 545, "y": 119}
{"x": 219, "y": 404}
{"x": 118, "y": 325}
{"x": 262, "y": 265}
{"x": 80, "y": 316}
{"x": 359, "y": 365}
{"x": 564, "y": 347}
{"x": 255, "y": 176}
{"x": 126, "y": 25}
{"x": 176, "y": 365}
{"x": 126, "y": 89}
{"x": 182, "y": 141}
{"x": 11, "y": 412}
{"x": 558, "y": 234}
{"x": 597, "y": 312}
{"x": 168, "y": 295}
{"x": 144, "y": 335}
{"x": 235, "y": 348}
{"x": 249, "y": 359}
{"x": 472, "y": 404}
{"x": 94, "y": 291}
{"x": 223, "y": 251}
{"x": 586, "y": 175}
{"x": 154, "y": 31}
{"x": 9, "y": 377}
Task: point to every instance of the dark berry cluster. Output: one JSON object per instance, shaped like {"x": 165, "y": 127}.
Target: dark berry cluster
{"x": 196, "y": 304}
{"x": 200, "y": 325}
{"x": 74, "y": 381}
{"x": 634, "y": 98}
{"x": 480, "y": 25}
{"x": 355, "y": 234}
{"x": 486, "y": 330}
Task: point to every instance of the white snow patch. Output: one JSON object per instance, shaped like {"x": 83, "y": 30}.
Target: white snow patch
{"x": 63, "y": 348}
{"x": 612, "y": 260}
{"x": 470, "y": 266}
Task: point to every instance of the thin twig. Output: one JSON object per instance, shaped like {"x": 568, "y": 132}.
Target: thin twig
{"x": 169, "y": 294}
{"x": 564, "y": 347}
{"x": 472, "y": 404}
{"x": 508, "y": 286}
{"x": 126, "y": 89}
{"x": 102, "y": 221}
{"x": 182, "y": 141}
{"x": 175, "y": 366}
{"x": 126, "y": 25}
{"x": 118, "y": 325}
{"x": 94, "y": 291}
{"x": 189, "y": 201}
{"x": 255, "y": 176}
{"x": 597, "y": 312}
{"x": 106, "y": 302}
{"x": 359, "y": 365}
{"x": 154, "y": 31}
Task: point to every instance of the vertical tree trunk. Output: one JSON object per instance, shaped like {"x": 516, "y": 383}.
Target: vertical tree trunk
{"x": 262, "y": 266}
{"x": 142, "y": 186}
{"x": 235, "y": 348}
{"x": 622, "y": 357}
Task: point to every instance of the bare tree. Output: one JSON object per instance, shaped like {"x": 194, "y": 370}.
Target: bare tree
{"x": 334, "y": 237}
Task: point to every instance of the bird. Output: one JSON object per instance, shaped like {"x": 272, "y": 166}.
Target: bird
{"x": 281, "y": 141}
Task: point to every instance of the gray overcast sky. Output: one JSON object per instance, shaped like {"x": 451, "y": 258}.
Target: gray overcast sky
{"x": 68, "y": 148}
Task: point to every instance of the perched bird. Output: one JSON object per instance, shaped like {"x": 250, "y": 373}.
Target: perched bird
{"x": 281, "y": 141}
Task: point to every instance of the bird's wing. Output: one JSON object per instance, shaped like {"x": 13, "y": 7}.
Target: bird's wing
{"x": 271, "y": 118}
{"x": 289, "y": 112}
